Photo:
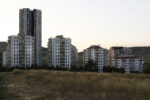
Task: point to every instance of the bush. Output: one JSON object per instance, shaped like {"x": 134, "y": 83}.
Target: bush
{"x": 113, "y": 69}
{"x": 91, "y": 66}
{"x": 6, "y": 69}
{"x": 146, "y": 68}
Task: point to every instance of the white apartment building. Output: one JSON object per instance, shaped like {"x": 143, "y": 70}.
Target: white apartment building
{"x": 20, "y": 51}
{"x": 13, "y": 51}
{"x": 59, "y": 51}
{"x": 26, "y": 51}
{"x": 130, "y": 64}
{"x": 97, "y": 54}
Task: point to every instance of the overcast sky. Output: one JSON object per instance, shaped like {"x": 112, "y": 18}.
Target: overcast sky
{"x": 87, "y": 22}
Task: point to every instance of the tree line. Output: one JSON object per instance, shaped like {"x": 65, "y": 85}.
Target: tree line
{"x": 91, "y": 66}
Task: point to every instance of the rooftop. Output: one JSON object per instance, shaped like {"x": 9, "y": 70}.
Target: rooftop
{"x": 116, "y": 48}
{"x": 60, "y": 36}
{"x": 94, "y": 47}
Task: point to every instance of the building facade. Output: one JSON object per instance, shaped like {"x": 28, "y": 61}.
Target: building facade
{"x": 59, "y": 51}
{"x": 1, "y": 59}
{"x": 129, "y": 63}
{"x": 13, "y": 51}
{"x": 97, "y": 54}
{"x": 26, "y": 50}
{"x": 3, "y": 48}
{"x": 74, "y": 56}
{"x": 122, "y": 57}
{"x": 80, "y": 60}
{"x": 20, "y": 51}
{"x": 4, "y": 59}
{"x": 118, "y": 52}
{"x": 30, "y": 25}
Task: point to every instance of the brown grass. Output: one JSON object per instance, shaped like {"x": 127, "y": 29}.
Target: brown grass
{"x": 62, "y": 85}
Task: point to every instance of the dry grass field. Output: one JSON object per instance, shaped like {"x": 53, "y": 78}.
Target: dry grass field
{"x": 62, "y": 85}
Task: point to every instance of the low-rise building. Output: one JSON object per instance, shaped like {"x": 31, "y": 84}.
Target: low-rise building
{"x": 117, "y": 52}
{"x": 122, "y": 57}
{"x": 129, "y": 63}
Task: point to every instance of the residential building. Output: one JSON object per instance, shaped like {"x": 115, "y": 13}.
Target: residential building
{"x": 97, "y": 54}
{"x": 122, "y": 57}
{"x": 30, "y": 25}
{"x": 13, "y": 51}
{"x": 3, "y": 47}
{"x": 21, "y": 51}
{"x": 117, "y": 52}
{"x": 1, "y": 59}
{"x": 26, "y": 50}
{"x": 80, "y": 60}
{"x": 74, "y": 56}
{"x": 59, "y": 51}
{"x": 44, "y": 56}
{"x": 4, "y": 59}
{"x": 129, "y": 63}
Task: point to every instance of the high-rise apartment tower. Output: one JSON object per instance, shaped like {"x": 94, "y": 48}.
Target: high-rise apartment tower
{"x": 30, "y": 24}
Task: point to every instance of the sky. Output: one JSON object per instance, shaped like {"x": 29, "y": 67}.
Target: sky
{"x": 87, "y": 22}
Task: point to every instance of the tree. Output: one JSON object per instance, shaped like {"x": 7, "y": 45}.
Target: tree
{"x": 113, "y": 69}
{"x": 146, "y": 68}
{"x": 107, "y": 69}
{"x": 91, "y": 66}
